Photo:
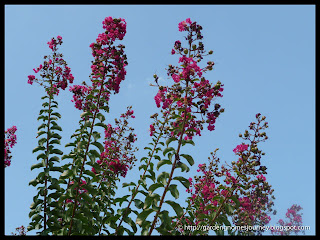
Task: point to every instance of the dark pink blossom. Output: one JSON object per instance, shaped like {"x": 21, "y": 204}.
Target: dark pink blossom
{"x": 9, "y": 141}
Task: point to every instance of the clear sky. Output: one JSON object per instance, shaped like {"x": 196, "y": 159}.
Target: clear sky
{"x": 264, "y": 55}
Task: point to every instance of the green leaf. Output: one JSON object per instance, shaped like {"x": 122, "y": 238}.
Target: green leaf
{"x": 174, "y": 191}
{"x": 147, "y": 202}
{"x": 98, "y": 145}
{"x": 143, "y": 215}
{"x": 128, "y": 184}
{"x": 71, "y": 155}
{"x": 163, "y": 178}
{"x": 54, "y": 195}
{"x": 235, "y": 200}
{"x": 56, "y": 127}
{"x": 223, "y": 219}
{"x": 36, "y": 218}
{"x": 54, "y": 141}
{"x": 34, "y": 182}
{"x": 66, "y": 174}
{"x": 131, "y": 223}
{"x": 101, "y": 117}
{"x": 185, "y": 182}
{"x": 122, "y": 199}
{"x": 138, "y": 203}
{"x": 85, "y": 114}
{"x": 154, "y": 186}
{"x": 166, "y": 221}
{"x": 188, "y": 158}
{"x": 183, "y": 167}
{"x": 42, "y": 141}
{"x": 229, "y": 209}
{"x": 43, "y": 125}
{"x": 189, "y": 141}
{"x": 70, "y": 145}
{"x": 169, "y": 140}
{"x": 36, "y": 203}
{"x": 56, "y": 135}
{"x": 54, "y": 159}
{"x": 37, "y": 165}
{"x": 163, "y": 162}
{"x": 100, "y": 124}
{"x": 38, "y": 149}
{"x": 86, "y": 197}
{"x": 168, "y": 150}
{"x": 96, "y": 135}
{"x": 147, "y": 148}
{"x": 56, "y": 114}
{"x": 57, "y": 169}
{"x": 55, "y": 185}
{"x": 56, "y": 151}
{"x": 45, "y": 104}
{"x": 176, "y": 207}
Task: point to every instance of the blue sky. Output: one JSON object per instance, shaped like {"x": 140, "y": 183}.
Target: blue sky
{"x": 263, "y": 54}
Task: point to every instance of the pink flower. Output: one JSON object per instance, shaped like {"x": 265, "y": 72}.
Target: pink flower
{"x": 152, "y": 129}
{"x": 240, "y": 148}
{"x": 261, "y": 177}
{"x": 30, "y": 79}
{"x": 9, "y": 141}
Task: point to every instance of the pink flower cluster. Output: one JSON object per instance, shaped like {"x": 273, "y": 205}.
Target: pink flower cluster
{"x": 54, "y": 42}
{"x": 254, "y": 194}
{"x": 251, "y": 210}
{"x": 294, "y": 219}
{"x": 9, "y": 141}
{"x": 152, "y": 129}
{"x": 184, "y": 24}
{"x": 109, "y": 59}
{"x": 20, "y": 231}
{"x": 240, "y": 149}
{"x": 54, "y": 72}
{"x": 115, "y": 28}
{"x": 129, "y": 113}
{"x": 191, "y": 94}
{"x": 80, "y": 93}
{"x": 118, "y": 151}
{"x": 107, "y": 69}
{"x": 205, "y": 190}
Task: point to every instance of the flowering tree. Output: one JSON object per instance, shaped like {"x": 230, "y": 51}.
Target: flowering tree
{"x": 76, "y": 186}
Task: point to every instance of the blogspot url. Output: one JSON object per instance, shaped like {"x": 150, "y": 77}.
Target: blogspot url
{"x": 242, "y": 228}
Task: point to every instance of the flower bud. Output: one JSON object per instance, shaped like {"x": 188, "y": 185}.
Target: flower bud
{"x": 185, "y": 51}
{"x": 210, "y": 52}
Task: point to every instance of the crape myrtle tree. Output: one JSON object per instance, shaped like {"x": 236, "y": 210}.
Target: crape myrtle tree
{"x": 77, "y": 184}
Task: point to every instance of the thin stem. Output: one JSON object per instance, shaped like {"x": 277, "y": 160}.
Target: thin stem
{"x": 47, "y": 160}
{"x": 85, "y": 158}
{"x": 177, "y": 152}
{"x": 142, "y": 176}
{"x": 172, "y": 168}
{"x": 47, "y": 163}
{"x": 227, "y": 197}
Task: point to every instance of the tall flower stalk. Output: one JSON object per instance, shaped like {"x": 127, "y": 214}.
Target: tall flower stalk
{"x": 188, "y": 100}
{"x": 108, "y": 71}
{"x": 54, "y": 74}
